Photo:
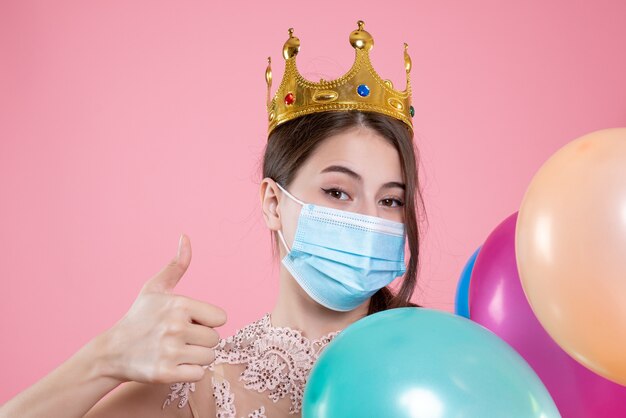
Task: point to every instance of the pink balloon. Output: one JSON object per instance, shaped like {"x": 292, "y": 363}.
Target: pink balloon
{"x": 497, "y": 301}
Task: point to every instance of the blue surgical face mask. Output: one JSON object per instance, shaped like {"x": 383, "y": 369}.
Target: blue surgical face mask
{"x": 342, "y": 258}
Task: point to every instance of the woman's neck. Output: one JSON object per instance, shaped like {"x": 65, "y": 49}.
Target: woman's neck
{"x": 295, "y": 309}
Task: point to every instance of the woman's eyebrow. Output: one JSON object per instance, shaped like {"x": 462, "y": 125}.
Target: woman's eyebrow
{"x": 342, "y": 169}
{"x": 356, "y": 176}
{"x": 392, "y": 184}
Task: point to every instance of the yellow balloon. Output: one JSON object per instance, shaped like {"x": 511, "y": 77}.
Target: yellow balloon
{"x": 570, "y": 246}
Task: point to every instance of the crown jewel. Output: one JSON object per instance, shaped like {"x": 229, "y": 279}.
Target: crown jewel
{"x": 361, "y": 88}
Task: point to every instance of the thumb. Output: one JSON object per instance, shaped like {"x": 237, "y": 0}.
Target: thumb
{"x": 166, "y": 279}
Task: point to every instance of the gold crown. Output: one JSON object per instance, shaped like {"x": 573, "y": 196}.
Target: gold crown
{"x": 361, "y": 88}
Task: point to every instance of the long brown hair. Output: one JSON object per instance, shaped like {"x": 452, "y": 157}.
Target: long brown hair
{"x": 291, "y": 143}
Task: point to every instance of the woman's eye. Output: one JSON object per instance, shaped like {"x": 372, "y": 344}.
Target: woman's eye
{"x": 336, "y": 193}
{"x": 390, "y": 202}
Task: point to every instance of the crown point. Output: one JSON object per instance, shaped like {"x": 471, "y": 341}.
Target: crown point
{"x": 407, "y": 59}
{"x": 268, "y": 79}
{"x": 268, "y": 72}
{"x": 292, "y": 46}
{"x": 361, "y": 39}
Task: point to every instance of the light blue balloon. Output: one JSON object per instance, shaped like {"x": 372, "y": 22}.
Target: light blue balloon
{"x": 419, "y": 363}
{"x": 461, "y": 302}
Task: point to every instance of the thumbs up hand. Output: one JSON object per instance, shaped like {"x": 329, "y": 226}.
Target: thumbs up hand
{"x": 164, "y": 338}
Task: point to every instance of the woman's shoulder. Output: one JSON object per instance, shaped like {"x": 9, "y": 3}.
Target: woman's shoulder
{"x": 136, "y": 400}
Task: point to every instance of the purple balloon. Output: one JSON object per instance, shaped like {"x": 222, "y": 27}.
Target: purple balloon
{"x": 497, "y": 301}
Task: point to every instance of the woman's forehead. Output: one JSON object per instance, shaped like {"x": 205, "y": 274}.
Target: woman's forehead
{"x": 362, "y": 151}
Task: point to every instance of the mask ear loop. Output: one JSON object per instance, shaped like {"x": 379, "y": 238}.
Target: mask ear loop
{"x": 280, "y": 233}
{"x": 290, "y": 195}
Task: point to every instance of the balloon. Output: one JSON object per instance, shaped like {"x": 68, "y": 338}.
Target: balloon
{"x": 417, "y": 363}
{"x": 461, "y": 302}
{"x": 499, "y": 303}
{"x": 571, "y": 250}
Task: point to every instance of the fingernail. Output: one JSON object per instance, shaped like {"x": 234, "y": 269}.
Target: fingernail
{"x": 180, "y": 244}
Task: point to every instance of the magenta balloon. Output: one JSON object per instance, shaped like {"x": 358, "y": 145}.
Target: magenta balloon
{"x": 497, "y": 301}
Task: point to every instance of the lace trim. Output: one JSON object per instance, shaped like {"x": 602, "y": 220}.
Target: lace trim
{"x": 179, "y": 390}
{"x": 224, "y": 399}
{"x": 225, "y": 402}
{"x": 277, "y": 360}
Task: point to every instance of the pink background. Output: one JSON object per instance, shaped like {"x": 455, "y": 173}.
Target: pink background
{"x": 123, "y": 124}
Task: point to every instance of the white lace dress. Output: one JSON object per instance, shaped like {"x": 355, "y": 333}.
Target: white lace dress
{"x": 259, "y": 372}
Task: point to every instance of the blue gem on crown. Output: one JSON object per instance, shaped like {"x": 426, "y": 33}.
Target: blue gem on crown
{"x": 363, "y": 90}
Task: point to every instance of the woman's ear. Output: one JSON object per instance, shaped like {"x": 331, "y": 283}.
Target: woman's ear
{"x": 269, "y": 204}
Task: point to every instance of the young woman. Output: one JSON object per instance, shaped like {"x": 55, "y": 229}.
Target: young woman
{"x": 339, "y": 195}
